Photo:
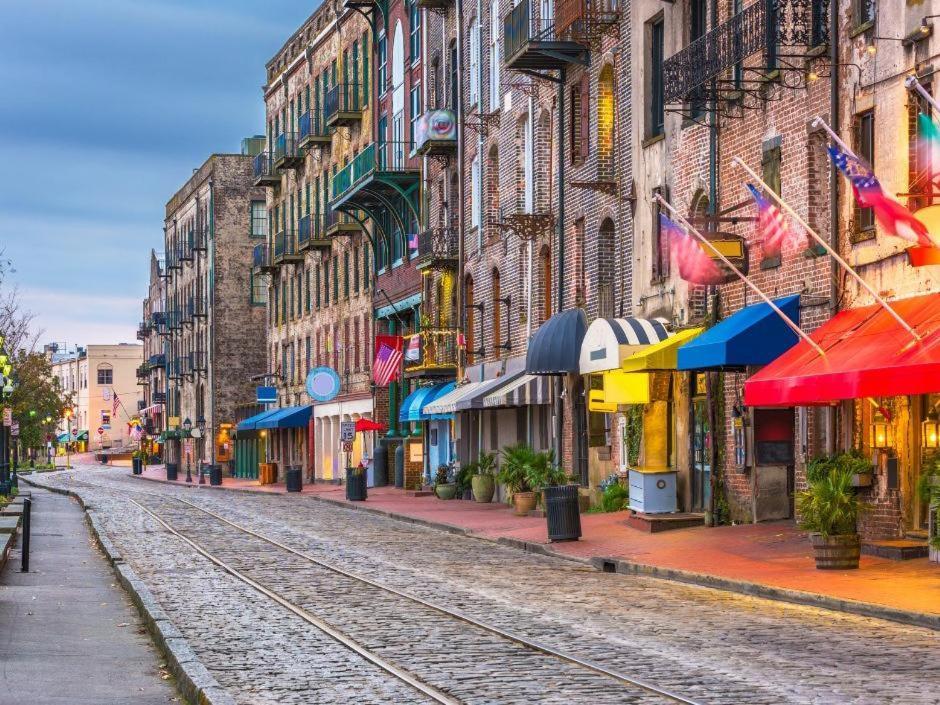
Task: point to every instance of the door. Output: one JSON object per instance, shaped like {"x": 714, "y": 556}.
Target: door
{"x": 700, "y": 476}
{"x": 772, "y": 481}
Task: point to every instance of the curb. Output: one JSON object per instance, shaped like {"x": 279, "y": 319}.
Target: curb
{"x": 627, "y": 567}
{"x": 195, "y": 682}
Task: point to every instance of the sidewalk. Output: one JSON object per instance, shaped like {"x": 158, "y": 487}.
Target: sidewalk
{"x": 771, "y": 559}
{"x": 68, "y": 634}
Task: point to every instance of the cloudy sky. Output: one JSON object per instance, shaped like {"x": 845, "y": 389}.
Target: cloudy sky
{"x": 107, "y": 107}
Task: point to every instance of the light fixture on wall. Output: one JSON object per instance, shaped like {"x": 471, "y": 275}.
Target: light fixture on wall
{"x": 882, "y": 434}
{"x": 930, "y": 431}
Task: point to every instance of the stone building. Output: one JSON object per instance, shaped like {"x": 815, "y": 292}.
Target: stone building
{"x": 213, "y": 308}
{"x": 151, "y": 374}
{"x": 320, "y": 110}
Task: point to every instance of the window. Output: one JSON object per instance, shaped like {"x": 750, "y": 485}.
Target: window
{"x": 356, "y": 344}
{"x": 496, "y": 305}
{"x": 414, "y": 24}
{"x": 659, "y": 268}
{"x": 698, "y": 24}
{"x": 382, "y": 52}
{"x": 865, "y": 147}
{"x": 580, "y": 122}
{"x": 365, "y": 69}
{"x": 318, "y": 287}
{"x": 470, "y": 317}
{"x": 415, "y": 111}
{"x": 474, "y": 63}
{"x": 105, "y": 375}
{"x": 865, "y": 11}
{"x": 495, "y": 90}
{"x": 326, "y": 282}
{"x": 259, "y": 219}
{"x": 366, "y": 268}
{"x": 346, "y": 274}
{"x": 335, "y": 278}
{"x": 452, "y": 72}
{"x": 475, "y": 204}
{"x": 655, "y": 101}
{"x": 355, "y": 270}
{"x": 259, "y": 289}
{"x": 307, "y": 297}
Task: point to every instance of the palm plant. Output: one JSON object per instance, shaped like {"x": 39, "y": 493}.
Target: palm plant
{"x": 514, "y": 471}
{"x": 829, "y": 506}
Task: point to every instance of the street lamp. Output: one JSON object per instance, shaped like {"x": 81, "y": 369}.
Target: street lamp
{"x": 6, "y": 389}
{"x": 199, "y": 432}
{"x": 187, "y": 429}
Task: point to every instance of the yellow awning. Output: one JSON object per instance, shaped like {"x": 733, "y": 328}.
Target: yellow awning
{"x": 661, "y": 356}
{"x": 623, "y": 388}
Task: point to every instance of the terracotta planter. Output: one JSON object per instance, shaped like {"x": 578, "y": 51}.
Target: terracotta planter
{"x": 484, "y": 487}
{"x": 446, "y": 490}
{"x": 524, "y": 502}
{"x": 839, "y": 552}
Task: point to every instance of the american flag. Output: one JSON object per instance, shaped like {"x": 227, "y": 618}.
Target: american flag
{"x": 388, "y": 358}
{"x": 694, "y": 265}
{"x": 773, "y": 228}
{"x": 114, "y": 403}
{"x": 413, "y": 241}
{"x": 895, "y": 219}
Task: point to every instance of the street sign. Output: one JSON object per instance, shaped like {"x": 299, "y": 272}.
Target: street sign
{"x": 347, "y": 446}
{"x": 15, "y": 429}
{"x": 100, "y": 431}
{"x": 347, "y": 431}
{"x": 266, "y": 395}
{"x": 7, "y": 416}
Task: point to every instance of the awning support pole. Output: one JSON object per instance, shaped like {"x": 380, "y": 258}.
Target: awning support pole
{"x": 835, "y": 255}
{"x": 776, "y": 309}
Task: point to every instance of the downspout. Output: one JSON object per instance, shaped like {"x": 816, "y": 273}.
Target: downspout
{"x": 712, "y": 378}
{"x": 559, "y": 380}
{"x": 211, "y": 303}
{"x": 460, "y": 206}
{"x": 530, "y": 158}
{"x": 835, "y": 119}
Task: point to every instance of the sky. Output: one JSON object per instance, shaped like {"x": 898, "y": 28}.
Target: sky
{"x": 107, "y": 107}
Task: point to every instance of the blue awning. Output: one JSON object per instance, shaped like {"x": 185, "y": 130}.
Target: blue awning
{"x": 555, "y": 349}
{"x": 288, "y": 417}
{"x": 437, "y": 391}
{"x": 413, "y": 405}
{"x": 250, "y": 424}
{"x": 755, "y": 335}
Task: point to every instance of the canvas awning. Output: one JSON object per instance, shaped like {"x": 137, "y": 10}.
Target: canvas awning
{"x": 250, "y": 424}
{"x": 867, "y": 354}
{"x": 288, "y": 417}
{"x": 555, "y": 348}
{"x": 412, "y": 408}
{"x": 659, "y": 356}
{"x": 755, "y": 335}
{"x": 523, "y": 391}
{"x": 609, "y": 340}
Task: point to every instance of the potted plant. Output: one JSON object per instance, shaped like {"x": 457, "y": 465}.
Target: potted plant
{"x": 444, "y": 486}
{"x": 829, "y": 510}
{"x": 464, "y": 479}
{"x": 515, "y": 473}
{"x": 356, "y": 484}
{"x": 483, "y": 479}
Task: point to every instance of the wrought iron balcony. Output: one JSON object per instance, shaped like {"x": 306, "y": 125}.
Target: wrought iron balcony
{"x": 285, "y": 248}
{"x": 311, "y": 234}
{"x": 436, "y": 133}
{"x": 200, "y": 237}
{"x": 435, "y": 350}
{"x": 261, "y": 258}
{"x": 525, "y": 226}
{"x": 144, "y": 329}
{"x": 186, "y": 247}
{"x": 585, "y": 20}
{"x": 434, "y": 4}
{"x": 143, "y": 373}
{"x": 264, "y": 172}
{"x": 158, "y": 360}
{"x": 532, "y": 44}
{"x": 287, "y": 153}
{"x": 388, "y": 169}
{"x": 335, "y": 224}
{"x": 343, "y": 104}
{"x": 437, "y": 248}
{"x": 313, "y": 130}
{"x": 199, "y": 361}
{"x": 765, "y": 26}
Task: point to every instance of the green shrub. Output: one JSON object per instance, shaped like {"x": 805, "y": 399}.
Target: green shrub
{"x": 830, "y": 505}
{"x": 615, "y": 498}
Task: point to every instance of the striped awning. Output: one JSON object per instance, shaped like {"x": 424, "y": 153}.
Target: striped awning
{"x": 524, "y": 391}
{"x": 609, "y": 340}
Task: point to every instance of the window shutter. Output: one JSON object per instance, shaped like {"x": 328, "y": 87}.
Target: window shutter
{"x": 585, "y": 118}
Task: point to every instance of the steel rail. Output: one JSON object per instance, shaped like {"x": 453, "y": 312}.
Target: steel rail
{"x": 456, "y": 614}
{"x": 419, "y": 685}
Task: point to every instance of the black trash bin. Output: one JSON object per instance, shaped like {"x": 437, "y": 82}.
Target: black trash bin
{"x": 215, "y": 474}
{"x": 399, "y": 465}
{"x": 380, "y": 465}
{"x": 137, "y": 465}
{"x": 563, "y": 513}
{"x": 171, "y": 470}
{"x": 356, "y": 485}
{"x": 293, "y": 479}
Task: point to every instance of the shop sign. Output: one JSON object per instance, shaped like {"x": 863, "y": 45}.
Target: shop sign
{"x": 7, "y": 416}
{"x": 14, "y": 429}
{"x": 438, "y": 126}
{"x": 266, "y": 395}
{"x": 416, "y": 452}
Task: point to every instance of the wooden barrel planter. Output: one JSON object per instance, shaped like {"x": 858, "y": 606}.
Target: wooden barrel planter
{"x": 838, "y": 552}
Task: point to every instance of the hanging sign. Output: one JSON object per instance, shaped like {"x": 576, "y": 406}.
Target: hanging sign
{"x": 266, "y": 395}
{"x": 7, "y": 416}
{"x": 323, "y": 384}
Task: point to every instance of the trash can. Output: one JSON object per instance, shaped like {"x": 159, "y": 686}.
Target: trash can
{"x": 399, "y": 465}
{"x": 563, "y": 513}
{"x": 293, "y": 479}
{"x": 380, "y": 465}
{"x": 171, "y": 471}
{"x": 215, "y": 475}
{"x": 355, "y": 485}
{"x": 137, "y": 465}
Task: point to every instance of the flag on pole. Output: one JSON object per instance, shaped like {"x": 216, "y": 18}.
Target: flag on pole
{"x": 388, "y": 358}
{"x": 413, "y": 241}
{"x": 694, "y": 265}
{"x": 929, "y": 137}
{"x": 413, "y": 351}
{"x": 775, "y": 232}
{"x": 894, "y": 218}
{"x": 114, "y": 403}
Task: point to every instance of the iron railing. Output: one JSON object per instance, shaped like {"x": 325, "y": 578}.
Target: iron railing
{"x": 157, "y": 360}
{"x": 285, "y": 244}
{"x": 438, "y": 243}
{"x": 569, "y": 14}
{"x": 520, "y": 28}
{"x": 343, "y": 98}
{"x": 385, "y": 157}
{"x": 259, "y": 255}
{"x": 285, "y": 148}
{"x": 436, "y": 350}
{"x": 263, "y": 166}
{"x": 312, "y": 124}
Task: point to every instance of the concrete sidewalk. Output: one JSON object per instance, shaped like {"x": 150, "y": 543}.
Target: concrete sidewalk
{"x": 69, "y": 635}
{"x": 771, "y": 559}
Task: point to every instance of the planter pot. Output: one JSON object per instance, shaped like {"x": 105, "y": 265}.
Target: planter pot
{"x": 484, "y": 487}
{"x": 446, "y": 490}
{"x": 562, "y": 511}
{"x": 171, "y": 471}
{"x": 524, "y": 502}
{"x": 861, "y": 479}
{"x": 355, "y": 485}
{"x": 839, "y": 552}
{"x": 467, "y": 494}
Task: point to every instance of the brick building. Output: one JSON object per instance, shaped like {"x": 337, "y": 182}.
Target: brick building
{"x": 151, "y": 374}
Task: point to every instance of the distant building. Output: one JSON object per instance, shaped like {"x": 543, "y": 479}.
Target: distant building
{"x": 151, "y": 375}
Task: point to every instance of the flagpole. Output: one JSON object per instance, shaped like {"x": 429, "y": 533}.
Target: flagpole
{"x": 911, "y": 83}
{"x": 786, "y": 319}
{"x": 819, "y": 122}
{"x": 835, "y": 255}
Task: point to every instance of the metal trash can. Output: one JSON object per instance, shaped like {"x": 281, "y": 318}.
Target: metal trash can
{"x": 380, "y": 465}
{"x": 399, "y": 465}
{"x": 215, "y": 475}
{"x": 293, "y": 479}
{"x": 136, "y": 464}
{"x": 562, "y": 512}
{"x": 171, "y": 471}
{"x": 356, "y": 485}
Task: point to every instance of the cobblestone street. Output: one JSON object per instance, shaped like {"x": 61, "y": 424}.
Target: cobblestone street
{"x": 675, "y": 637}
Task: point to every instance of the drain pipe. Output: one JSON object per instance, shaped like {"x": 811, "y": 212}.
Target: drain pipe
{"x": 559, "y": 380}
{"x": 835, "y": 119}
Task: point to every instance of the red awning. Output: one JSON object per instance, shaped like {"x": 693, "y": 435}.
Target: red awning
{"x": 369, "y": 425}
{"x": 867, "y": 355}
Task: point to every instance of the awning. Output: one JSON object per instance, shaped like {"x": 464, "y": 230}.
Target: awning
{"x": 867, "y": 355}
{"x": 555, "y": 348}
{"x": 474, "y": 400}
{"x": 62, "y": 438}
{"x": 250, "y": 424}
{"x": 364, "y": 424}
{"x": 82, "y": 436}
{"x": 621, "y": 387}
{"x": 523, "y": 391}
{"x": 659, "y": 356}
{"x": 609, "y": 340}
{"x": 467, "y": 396}
{"x": 288, "y": 417}
{"x": 755, "y": 335}
{"x": 438, "y": 392}
{"x": 412, "y": 407}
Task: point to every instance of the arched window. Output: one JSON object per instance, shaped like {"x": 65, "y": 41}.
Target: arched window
{"x": 606, "y": 109}
{"x": 606, "y": 270}
{"x": 470, "y": 331}
{"x": 497, "y": 317}
{"x": 545, "y": 264}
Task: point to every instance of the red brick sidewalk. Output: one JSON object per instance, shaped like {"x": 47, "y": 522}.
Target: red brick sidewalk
{"x": 772, "y": 559}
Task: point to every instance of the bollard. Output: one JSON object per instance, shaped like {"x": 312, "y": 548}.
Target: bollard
{"x": 27, "y": 509}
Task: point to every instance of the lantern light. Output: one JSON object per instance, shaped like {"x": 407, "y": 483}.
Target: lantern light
{"x": 930, "y": 431}
{"x": 882, "y": 434}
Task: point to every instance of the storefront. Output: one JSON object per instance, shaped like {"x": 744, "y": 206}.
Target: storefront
{"x": 251, "y": 445}
{"x": 328, "y": 458}
{"x": 435, "y": 429}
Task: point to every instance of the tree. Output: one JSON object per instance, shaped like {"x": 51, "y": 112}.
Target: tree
{"x": 16, "y": 324}
{"x": 37, "y": 395}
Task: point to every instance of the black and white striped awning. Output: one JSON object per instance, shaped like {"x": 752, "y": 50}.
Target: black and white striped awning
{"x": 608, "y": 340}
{"x": 524, "y": 391}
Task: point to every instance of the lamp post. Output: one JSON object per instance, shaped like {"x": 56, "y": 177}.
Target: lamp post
{"x": 187, "y": 429}
{"x": 49, "y": 451}
{"x": 6, "y": 389}
{"x": 199, "y": 432}
{"x": 68, "y": 439}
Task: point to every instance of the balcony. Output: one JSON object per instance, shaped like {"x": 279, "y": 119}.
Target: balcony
{"x": 585, "y": 21}
{"x": 525, "y": 226}
{"x": 287, "y": 153}
{"x": 199, "y": 361}
{"x": 343, "y": 104}
{"x": 158, "y": 397}
{"x": 200, "y": 237}
{"x": 337, "y": 224}
{"x": 378, "y": 176}
{"x": 285, "y": 248}
{"x": 158, "y": 360}
{"x": 143, "y": 373}
{"x": 174, "y": 369}
{"x": 437, "y": 353}
{"x": 185, "y": 252}
{"x": 311, "y": 235}
{"x": 261, "y": 259}
{"x": 263, "y": 171}
{"x": 761, "y": 27}
{"x": 144, "y": 329}
{"x": 313, "y": 130}
{"x": 437, "y": 248}
{"x": 436, "y": 133}
{"x": 531, "y": 43}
